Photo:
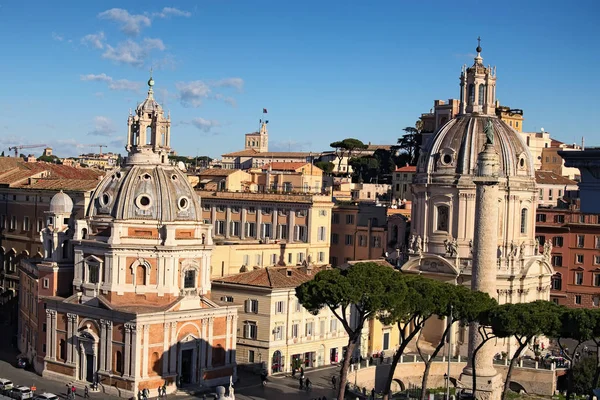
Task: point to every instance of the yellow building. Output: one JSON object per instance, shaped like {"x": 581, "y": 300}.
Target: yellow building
{"x": 274, "y": 331}
{"x": 266, "y": 229}
{"x": 233, "y": 180}
{"x": 289, "y": 177}
{"x": 513, "y": 117}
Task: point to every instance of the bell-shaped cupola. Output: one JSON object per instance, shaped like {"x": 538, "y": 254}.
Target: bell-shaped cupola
{"x": 478, "y": 87}
{"x": 149, "y": 132}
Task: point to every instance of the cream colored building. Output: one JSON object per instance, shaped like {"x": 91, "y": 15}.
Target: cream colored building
{"x": 512, "y": 117}
{"x": 536, "y": 142}
{"x": 553, "y": 188}
{"x": 552, "y": 161}
{"x": 286, "y": 177}
{"x": 402, "y": 182}
{"x": 266, "y": 229}
{"x": 233, "y": 180}
{"x": 274, "y": 331}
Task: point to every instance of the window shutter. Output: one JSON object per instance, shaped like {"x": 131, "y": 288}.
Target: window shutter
{"x": 247, "y": 305}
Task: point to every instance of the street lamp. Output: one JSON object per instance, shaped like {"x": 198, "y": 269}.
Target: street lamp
{"x": 447, "y": 380}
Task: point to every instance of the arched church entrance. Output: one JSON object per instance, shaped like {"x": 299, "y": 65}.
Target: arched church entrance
{"x": 188, "y": 357}
{"x": 88, "y": 356}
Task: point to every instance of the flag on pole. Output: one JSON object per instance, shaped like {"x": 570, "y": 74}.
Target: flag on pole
{"x": 264, "y": 110}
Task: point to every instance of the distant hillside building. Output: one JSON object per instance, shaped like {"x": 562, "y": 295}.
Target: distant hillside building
{"x": 258, "y": 141}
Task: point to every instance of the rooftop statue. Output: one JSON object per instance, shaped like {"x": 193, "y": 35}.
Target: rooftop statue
{"x": 488, "y": 129}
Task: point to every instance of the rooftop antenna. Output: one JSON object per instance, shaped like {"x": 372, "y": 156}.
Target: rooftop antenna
{"x": 582, "y": 143}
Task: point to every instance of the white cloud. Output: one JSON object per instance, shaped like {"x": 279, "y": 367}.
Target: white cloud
{"x": 95, "y": 40}
{"x": 172, "y": 12}
{"x": 205, "y": 125}
{"x": 57, "y": 37}
{"x": 119, "y": 84}
{"x": 133, "y": 53}
{"x": 131, "y": 24}
{"x": 237, "y": 83}
{"x": 192, "y": 93}
{"x": 103, "y": 126}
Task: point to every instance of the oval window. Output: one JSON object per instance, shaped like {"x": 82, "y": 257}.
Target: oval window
{"x": 447, "y": 159}
{"x": 105, "y": 199}
{"x": 183, "y": 203}
{"x": 143, "y": 201}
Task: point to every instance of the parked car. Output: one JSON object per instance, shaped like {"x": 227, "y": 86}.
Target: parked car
{"x": 5, "y": 385}
{"x": 46, "y": 396}
{"x": 21, "y": 393}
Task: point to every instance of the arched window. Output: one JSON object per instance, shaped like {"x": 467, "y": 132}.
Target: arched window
{"x": 523, "y": 221}
{"x": 471, "y": 93}
{"x": 140, "y": 275}
{"x": 482, "y": 93}
{"x": 155, "y": 364}
{"x": 149, "y": 135}
{"x": 557, "y": 281}
{"x": 62, "y": 351}
{"x": 218, "y": 356}
{"x": 189, "y": 279}
{"x": 118, "y": 367}
{"x": 443, "y": 214}
{"x": 84, "y": 233}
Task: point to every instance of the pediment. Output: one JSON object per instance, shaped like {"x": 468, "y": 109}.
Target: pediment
{"x": 431, "y": 264}
{"x": 188, "y": 338}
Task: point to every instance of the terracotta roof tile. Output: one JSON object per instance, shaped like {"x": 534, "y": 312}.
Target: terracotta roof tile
{"x": 408, "y": 168}
{"x": 549, "y": 177}
{"x": 273, "y": 277}
{"x": 241, "y": 153}
{"x": 217, "y": 172}
{"x": 285, "y": 166}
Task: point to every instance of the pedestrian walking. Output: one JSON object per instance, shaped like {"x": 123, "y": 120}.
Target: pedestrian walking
{"x": 307, "y": 384}
{"x": 334, "y": 381}
{"x": 86, "y": 392}
{"x": 301, "y": 381}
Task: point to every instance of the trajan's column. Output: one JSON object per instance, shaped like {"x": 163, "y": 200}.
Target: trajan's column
{"x": 489, "y": 381}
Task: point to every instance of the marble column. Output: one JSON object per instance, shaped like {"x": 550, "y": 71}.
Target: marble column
{"x": 484, "y": 269}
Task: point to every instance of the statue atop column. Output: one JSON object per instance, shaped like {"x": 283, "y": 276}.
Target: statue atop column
{"x": 488, "y": 129}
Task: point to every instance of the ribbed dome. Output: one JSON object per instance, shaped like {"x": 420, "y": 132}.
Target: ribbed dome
{"x": 61, "y": 203}
{"x": 454, "y": 149}
{"x": 149, "y": 104}
{"x": 146, "y": 192}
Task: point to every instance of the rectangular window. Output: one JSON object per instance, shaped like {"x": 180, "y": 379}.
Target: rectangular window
{"x": 557, "y": 241}
{"x": 251, "y": 356}
{"x": 579, "y": 278}
{"x": 40, "y": 224}
{"x": 541, "y": 239}
{"x": 220, "y": 228}
{"x": 300, "y": 233}
{"x": 46, "y": 283}
{"x": 3, "y": 222}
{"x": 349, "y": 239}
{"x": 349, "y": 219}
{"x": 13, "y": 223}
{"x": 597, "y": 242}
{"x": 541, "y": 196}
{"x": 267, "y": 230}
{"x": 596, "y": 279}
{"x": 206, "y": 207}
{"x": 322, "y": 213}
{"x": 279, "y": 307}
{"x": 289, "y": 258}
{"x": 336, "y": 219}
{"x": 300, "y": 258}
{"x": 221, "y": 208}
{"x": 321, "y": 256}
{"x": 333, "y": 325}
{"x": 250, "y": 229}
{"x": 273, "y": 259}
{"x": 582, "y": 218}
{"x": 579, "y": 258}
{"x": 322, "y": 327}
{"x": 597, "y": 260}
{"x": 335, "y": 238}
{"x": 278, "y": 335}
{"x": 321, "y": 234}
{"x": 309, "y": 328}
{"x": 580, "y": 240}
{"x": 376, "y": 241}
{"x": 251, "y": 210}
{"x": 251, "y": 306}
{"x": 298, "y": 306}
{"x": 559, "y": 219}
{"x": 596, "y": 301}
{"x": 26, "y": 223}
{"x": 557, "y": 261}
{"x": 250, "y": 330}
{"x": 235, "y": 209}
{"x": 283, "y": 232}
{"x": 362, "y": 240}
{"x": 246, "y": 260}
{"x": 258, "y": 259}
{"x": 234, "y": 229}
{"x": 578, "y": 299}
{"x": 540, "y": 218}
{"x": 550, "y": 195}
{"x": 295, "y": 331}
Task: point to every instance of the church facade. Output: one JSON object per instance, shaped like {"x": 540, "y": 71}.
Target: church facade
{"x": 444, "y": 203}
{"x": 138, "y": 311}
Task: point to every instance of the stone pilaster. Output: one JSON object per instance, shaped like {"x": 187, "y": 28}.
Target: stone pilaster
{"x": 50, "y": 343}
{"x": 243, "y": 223}
{"x": 71, "y": 336}
{"x": 291, "y": 223}
{"x": 228, "y": 222}
{"x": 145, "y": 351}
{"x": 128, "y": 348}
{"x": 173, "y": 355}
{"x": 211, "y": 321}
{"x": 204, "y": 345}
{"x": 165, "y": 358}
{"x": 274, "y": 224}
{"x": 102, "y": 346}
{"x": 109, "y": 349}
{"x": 258, "y": 223}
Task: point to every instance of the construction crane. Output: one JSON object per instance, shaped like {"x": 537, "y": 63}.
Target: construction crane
{"x": 98, "y": 145}
{"x": 24, "y": 146}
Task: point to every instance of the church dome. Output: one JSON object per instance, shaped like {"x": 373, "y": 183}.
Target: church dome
{"x": 456, "y": 146}
{"x": 146, "y": 192}
{"x": 61, "y": 203}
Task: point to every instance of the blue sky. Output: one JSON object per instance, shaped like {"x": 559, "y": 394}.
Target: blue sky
{"x": 325, "y": 70}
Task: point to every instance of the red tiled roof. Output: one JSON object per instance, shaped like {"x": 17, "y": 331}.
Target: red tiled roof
{"x": 241, "y": 153}
{"x": 217, "y": 172}
{"x": 549, "y": 177}
{"x": 408, "y": 168}
{"x": 285, "y": 166}
{"x": 273, "y": 277}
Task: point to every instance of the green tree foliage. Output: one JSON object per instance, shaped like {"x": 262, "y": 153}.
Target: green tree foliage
{"x": 326, "y": 166}
{"x": 583, "y": 376}
{"x": 524, "y": 321}
{"x": 347, "y": 148}
{"x": 365, "y": 169}
{"x": 50, "y": 159}
{"x": 366, "y": 289}
{"x": 410, "y": 143}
